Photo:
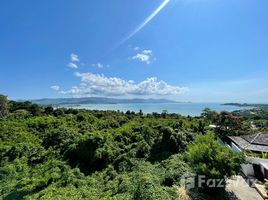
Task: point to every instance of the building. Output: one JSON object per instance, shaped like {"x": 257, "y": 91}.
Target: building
{"x": 257, "y": 143}
{"x": 256, "y": 148}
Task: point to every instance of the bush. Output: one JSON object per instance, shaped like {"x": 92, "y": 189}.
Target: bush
{"x": 211, "y": 159}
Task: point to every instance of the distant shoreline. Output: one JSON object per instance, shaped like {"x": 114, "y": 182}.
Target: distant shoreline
{"x": 185, "y": 109}
{"x": 98, "y": 100}
{"x": 246, "y": 104}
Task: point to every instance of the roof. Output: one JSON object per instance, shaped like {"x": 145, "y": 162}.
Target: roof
{"x": 259, "y": 138}
{"x": 254, "y": 142}
{"x": 264, "y": 164}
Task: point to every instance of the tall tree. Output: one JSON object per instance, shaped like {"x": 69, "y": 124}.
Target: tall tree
{"x": 228, "y": 124}
{"x": 3, "y": 105}
{"x": 209, "y": 114}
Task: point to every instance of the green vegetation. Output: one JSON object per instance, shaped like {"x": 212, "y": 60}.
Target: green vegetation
{"x": 211, "y": 159}
{"x": 226, "y": 123}
{"x": 48, "y": 153}
{"x": 260, "y": 113}
{"x": 256, "y": 116}
{"x": 3, "y": 106}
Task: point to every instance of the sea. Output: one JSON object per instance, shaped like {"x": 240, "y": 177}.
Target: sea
{"x": 191, "y": 109}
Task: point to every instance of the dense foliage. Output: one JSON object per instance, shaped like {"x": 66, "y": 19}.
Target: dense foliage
{"x": 213, "y": 161}
{"x": 227, "y": 123}
{"x": 258, "y": 113}
{"x": 258, "y": 117}
{"x": 48, "y": 153}
{"x": 3, "y": 106}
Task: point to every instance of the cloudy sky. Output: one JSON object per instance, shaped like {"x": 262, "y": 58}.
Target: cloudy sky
{"x": 187, "y": 50}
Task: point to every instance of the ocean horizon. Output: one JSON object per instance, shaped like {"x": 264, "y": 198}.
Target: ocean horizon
{"x": 185, "y": 109}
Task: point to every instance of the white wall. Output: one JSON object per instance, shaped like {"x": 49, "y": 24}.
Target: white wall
{"x": 235, "y": 148}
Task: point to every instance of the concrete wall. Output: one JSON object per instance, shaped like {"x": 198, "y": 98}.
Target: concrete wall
{"x": 256, "y": 160}
{"x": 247, "y": 169}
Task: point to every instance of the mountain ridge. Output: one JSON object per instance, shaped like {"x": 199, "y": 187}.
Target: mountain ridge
{"x": 97, "y": 100}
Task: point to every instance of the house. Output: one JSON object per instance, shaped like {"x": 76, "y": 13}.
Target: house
{"x": 257, "y": 143}
{"x": 256, "y": 148}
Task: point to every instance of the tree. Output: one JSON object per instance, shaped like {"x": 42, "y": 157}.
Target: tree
{"x": 35, "y": 109}
{"x": 209, "y": 114}
{"x": 201, "y": 127}
{"x": 213, "y": 161}
{"x": 60, "y": 138}
{"x": 164, "y": 113}
{"x": 91, "y": 153}
{"x": 140, "y": 113}
{"x": 228, "y": 124}
{"x": 3, "y": 106}
{"x": 49, "y": 110}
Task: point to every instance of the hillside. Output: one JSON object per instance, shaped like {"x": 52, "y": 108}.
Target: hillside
{"x": 97, "y": 100}
{"x": 49, "y": 153}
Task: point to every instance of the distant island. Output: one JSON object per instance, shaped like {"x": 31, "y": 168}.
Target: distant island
{"x": 96, "y": 100}
{"x": 245, "y": 104}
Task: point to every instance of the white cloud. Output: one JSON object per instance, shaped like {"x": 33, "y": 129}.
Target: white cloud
{"x": 74, "y": 58}
{"x": 55, "y": 87}
{"x": 144, "y": 56}
{"x": 98, "y": 84}
{"x": 136, "y": 48}
{"x": 147, "y": 51}
{"x": 72, "y": 65}
{"x": 99, "y": 65}
{"x": 73, "y": 61}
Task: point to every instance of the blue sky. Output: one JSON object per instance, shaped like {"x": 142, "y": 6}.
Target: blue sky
{"x": 187, "y": 50}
